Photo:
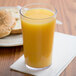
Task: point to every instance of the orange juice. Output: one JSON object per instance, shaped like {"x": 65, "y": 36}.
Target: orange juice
{"x": 38, "y": 31}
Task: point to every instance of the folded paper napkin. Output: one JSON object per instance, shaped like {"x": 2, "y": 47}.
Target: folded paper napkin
{"x": 64, "y": 51}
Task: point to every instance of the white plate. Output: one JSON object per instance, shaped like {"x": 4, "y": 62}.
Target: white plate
{"x": 11, "y": 40}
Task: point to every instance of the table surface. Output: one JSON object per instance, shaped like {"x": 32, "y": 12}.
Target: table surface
{"x": 66, "y": 13}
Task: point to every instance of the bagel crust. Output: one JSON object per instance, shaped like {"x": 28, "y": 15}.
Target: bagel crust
{"x": 6, "y": 22}
{"x": 4, "y": 31}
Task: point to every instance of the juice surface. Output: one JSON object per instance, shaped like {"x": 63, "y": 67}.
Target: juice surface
{"x": 39, "y": 13}
{"x": 38, "y": 30}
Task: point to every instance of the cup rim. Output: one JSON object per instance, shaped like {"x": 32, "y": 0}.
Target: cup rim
{"x": 36, "y": 4}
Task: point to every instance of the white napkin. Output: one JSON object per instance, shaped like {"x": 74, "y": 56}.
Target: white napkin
{"x": 64, "y": 51}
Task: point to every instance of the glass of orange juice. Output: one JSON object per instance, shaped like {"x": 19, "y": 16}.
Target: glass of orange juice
{"x": 38, "y": 24}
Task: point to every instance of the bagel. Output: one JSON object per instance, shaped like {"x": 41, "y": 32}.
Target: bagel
{"x": 6, "y": 23}
{"x": 17, "y": 26}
